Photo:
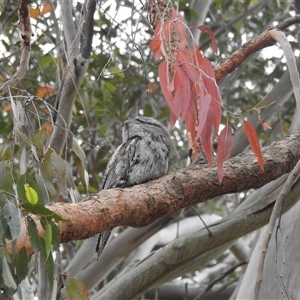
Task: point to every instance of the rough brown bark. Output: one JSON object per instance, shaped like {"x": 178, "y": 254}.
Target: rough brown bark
{"x": 239, "y": 56}
{"x": 143, "y": 204}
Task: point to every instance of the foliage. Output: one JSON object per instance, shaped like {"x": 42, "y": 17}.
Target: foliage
{"x": 122, "y": 77}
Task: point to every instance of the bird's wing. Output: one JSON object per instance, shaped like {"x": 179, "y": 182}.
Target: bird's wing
{"x": 117, "y": 173}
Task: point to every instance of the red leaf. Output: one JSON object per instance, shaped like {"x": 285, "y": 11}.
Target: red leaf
{"x": 165, "y": 86}
{"x": 212, "y": 88}
{"x": 177, "y": 15}
{"x": 254, "y": 143}
{"x": 157, "y": 31}
{"x": 155, "y": 47}
{"x": 203, "y": 112}
{"x": 266, "y": 125}
{"x": 225, "y": 141}
{"x": 190, "y": 118}
{"x": 198, "y": 57}
{"x": 206, "y": 136}
{"x": 182, "y": 90}
{"x": 167, "y": 31}
{"x": 178, "y": 23}
{"x": 184, "y": 59}
{"x": 211, "y": 35}
{"x": 165, "y": 36}
{"x": 210, "y": 85}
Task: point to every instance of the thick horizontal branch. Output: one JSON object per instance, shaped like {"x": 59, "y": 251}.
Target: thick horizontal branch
{"x": 141, "y": 205}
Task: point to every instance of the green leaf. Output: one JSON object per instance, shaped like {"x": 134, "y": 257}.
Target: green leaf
{"x": 48, "y": 239}
{"x": 50, "y": 269}
{"x": 47, "y": 164}
{"x": 11, "y": 213}
{"x": 59, "y": 168}
{"x": 35, "y": 239}
{"x": 22, "y": 181}
{"x": 31, "y": 194}
{"x": 55, "y": 237}
{"x": 80, "y": 160}
{"x": 48, "y": 182}
{"x": 23, "y": 161}
{"x": 44, "y": 196}
{"x": 38, "y": 141}
{"x": 78, "y": 151}
{"x": 22, "y": 264}
{"x": 75, "y": 289}
{"x": 42, "y": 211}
{"x": 8, "y": 278}
{"x": 6, "y": 181}
{"x": 6, "y": 153}
{"x": 55, "y": 232}
{"x": 116, "y": 71}
{"x": 27, "y": 141}
{"x": 83, "y": 174}
{"x": 109, "y": 87}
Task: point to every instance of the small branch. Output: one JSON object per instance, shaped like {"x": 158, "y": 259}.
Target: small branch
{"x": 68, "y": 23}
{"x": 239, "y": 56}
{"x": 293, "y": 176}
{"x": 288, "y": 22}
{"x": 88, "y": 29}
{"x": 220, "y": 278}
{"x": 24, "y": 21}
{"x": 223, "y": 30}
{"x": 261, "y": 42}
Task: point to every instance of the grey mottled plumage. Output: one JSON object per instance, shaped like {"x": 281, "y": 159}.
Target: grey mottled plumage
{"x": 143, "y": 156}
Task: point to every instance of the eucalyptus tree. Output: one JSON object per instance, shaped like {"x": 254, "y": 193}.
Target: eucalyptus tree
{"x": 71, "y": 73}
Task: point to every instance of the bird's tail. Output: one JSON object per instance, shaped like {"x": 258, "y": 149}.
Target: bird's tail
{"x": 102, "y": 240}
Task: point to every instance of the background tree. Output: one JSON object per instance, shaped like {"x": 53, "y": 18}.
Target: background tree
{"x": 89, "y": 65}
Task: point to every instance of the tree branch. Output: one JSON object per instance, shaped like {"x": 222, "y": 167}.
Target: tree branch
{"x": 190, "y": 252}
{"x": 249, "y": 48}
{"x": 276, "y": 213}
{"x": 24, "y": 21}
{"x": 88, "y": 29}
{"x": 71, "y": 84}
{"x": 239, "y": 56}
{"x": 78, "y": 66}
{"x": 143, "y": 204}
{"x": 70, "y": 31}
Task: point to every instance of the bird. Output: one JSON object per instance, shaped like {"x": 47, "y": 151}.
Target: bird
{"x": 143, "y": 156}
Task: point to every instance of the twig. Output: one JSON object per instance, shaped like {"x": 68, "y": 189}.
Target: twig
{"x": 218, "y": 279}
{"x": 275, "y": 214}
{"x": 288, "y": 22}
{"x": 24, "y": 21}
